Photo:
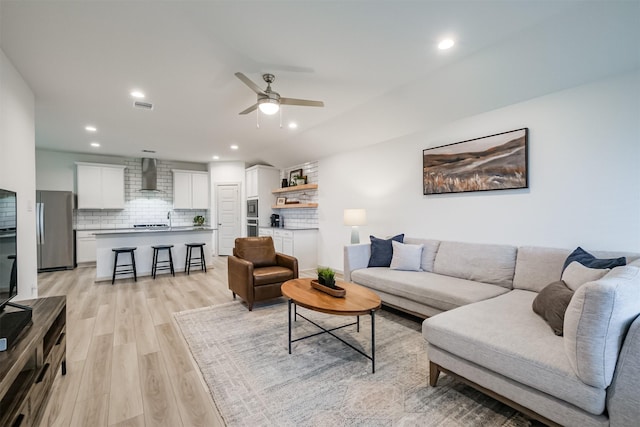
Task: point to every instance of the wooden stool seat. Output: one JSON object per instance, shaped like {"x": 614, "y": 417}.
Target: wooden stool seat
{"x": 120, "y": 269}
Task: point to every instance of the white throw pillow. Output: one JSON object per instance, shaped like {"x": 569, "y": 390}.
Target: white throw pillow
{"x": 406, "y": 257}
{"x": 576, "y": 275}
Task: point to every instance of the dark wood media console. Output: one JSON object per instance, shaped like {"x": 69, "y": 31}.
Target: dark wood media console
{"x": 28, "y": 368}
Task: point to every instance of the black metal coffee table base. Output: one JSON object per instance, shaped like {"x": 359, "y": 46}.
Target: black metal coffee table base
{"x": 372, "y": 313}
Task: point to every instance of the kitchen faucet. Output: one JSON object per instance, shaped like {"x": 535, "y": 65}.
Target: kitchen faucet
{"x": 169, "y": 218}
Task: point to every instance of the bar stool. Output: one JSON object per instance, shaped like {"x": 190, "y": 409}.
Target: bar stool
{"x": 162, "y": 265}
{"x": 119, "y": 269}
{"x": 191, "y": 261}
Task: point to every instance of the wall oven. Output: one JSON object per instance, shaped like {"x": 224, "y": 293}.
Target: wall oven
{"x": 252, "y": 227}
{"x": 252, "y": 208}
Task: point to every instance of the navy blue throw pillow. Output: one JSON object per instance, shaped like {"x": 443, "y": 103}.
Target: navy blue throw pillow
{"x": 382, "y": 251}
{"x": 588, "y": 260}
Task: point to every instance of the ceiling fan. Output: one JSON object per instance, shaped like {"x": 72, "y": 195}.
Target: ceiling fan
{"x": 269, "y": 101}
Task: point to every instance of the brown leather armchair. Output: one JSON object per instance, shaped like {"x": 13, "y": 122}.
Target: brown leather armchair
{"x": 256, "y": 270}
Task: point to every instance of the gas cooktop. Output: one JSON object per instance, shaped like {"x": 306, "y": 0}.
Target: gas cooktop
{"x": 150, "y": 226}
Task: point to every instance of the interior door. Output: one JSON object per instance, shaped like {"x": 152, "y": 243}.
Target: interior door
{"x": 228, "y": 214}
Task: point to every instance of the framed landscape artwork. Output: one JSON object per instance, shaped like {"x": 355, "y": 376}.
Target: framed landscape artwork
{"x": 495, "y": 162}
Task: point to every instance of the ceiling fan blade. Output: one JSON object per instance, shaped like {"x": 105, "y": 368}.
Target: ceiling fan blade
{"x": 250, "y": 109}
{"x": 302, "y": 102}
{"x": 249, "y": 83}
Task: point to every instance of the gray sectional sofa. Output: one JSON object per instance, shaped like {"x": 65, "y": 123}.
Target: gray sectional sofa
{"x": 482, "y": 329}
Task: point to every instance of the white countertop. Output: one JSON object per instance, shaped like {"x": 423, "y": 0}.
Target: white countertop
{"x": 290, "y": 228}
{"x": 152, "y": 230}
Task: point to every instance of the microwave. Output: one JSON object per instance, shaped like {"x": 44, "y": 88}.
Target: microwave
{"x": 252, "y": 208}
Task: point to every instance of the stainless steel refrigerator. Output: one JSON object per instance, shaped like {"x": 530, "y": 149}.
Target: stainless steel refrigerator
{"x": 54, "y": 230}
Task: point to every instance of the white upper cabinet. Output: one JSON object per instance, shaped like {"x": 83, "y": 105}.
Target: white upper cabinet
{"x": 113, "y": 188}
{"x": 190, "y": 189}
{"x": 100, "y": 186}
{"x": 200, "y": 190}
{"x": 252, "y": 182}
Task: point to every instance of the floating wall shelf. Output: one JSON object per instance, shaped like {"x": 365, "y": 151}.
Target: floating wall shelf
{"x": 295, "y": 188}
{"x": 296, "y": 206}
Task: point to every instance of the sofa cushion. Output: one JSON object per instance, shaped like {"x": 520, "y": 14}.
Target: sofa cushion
{"x": 588, "y": 260}
{"x": 382, "y": 251}
{"x": 406, "y": 257}
{"x": 551, "y": 304}
{"x": 271, "y": 275}
{"x": 536, "y": 267}
{"x": 576, "y": 275}
{"x": 596, "y": 321}
{"x": 434, "y": 290}
{"x": 504, "y": 335}
{"x": 428, "y": 252}
{"x": 493, "y": 264}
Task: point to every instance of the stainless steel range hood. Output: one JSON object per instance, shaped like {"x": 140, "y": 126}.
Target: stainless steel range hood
{"x": 149, "y": 175}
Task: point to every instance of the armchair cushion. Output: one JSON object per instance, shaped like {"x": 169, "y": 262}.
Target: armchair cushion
{"x": 259, "y": 250}
{"x": 271, "y": 274}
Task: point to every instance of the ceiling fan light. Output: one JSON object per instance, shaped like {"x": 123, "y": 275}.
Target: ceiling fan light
{"x": 268, "y": 106}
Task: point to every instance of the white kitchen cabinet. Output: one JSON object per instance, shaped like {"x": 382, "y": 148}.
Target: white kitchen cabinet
{"x": 301, "y": 244}
{"x": 100, "y": 186}
{"x": 260, "y": 181}
{"x": 85, "y": 246}
{"x": 112, "y": 188}
{"x": 263, "y": 231}
{"x": 190, "y": 189}
{"x": 251, "y": 176}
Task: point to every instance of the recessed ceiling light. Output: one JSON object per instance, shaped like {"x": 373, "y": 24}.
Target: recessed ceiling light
{"x": 95, "y": 144}
{"x": 90, "y": 128}
{"x": 216, "y": 157}
{"x": 137, "y": 94}
{"x": 446, "y": 44}
{"x": 293, "y": 125}
{"x": 234, "y": 147}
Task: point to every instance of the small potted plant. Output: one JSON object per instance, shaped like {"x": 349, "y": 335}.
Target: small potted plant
{"x": 326, "y": 276}
{"x": 198, "y": 220}
{"x": 327, "y": 283}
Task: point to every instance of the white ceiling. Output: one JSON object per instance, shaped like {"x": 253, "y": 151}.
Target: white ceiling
{"x": 374, "y": 64}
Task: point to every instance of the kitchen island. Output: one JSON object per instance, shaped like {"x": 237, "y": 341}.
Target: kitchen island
{"x": 144, "y": 239}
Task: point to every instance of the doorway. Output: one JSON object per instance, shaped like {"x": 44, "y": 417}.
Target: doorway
{"x": 228, "y": 214}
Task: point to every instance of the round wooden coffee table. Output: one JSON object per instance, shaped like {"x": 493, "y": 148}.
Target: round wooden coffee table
{"x": 357, "y": 301}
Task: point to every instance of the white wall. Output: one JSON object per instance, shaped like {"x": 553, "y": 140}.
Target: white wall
{"x": 17, "y": 168}
{"x": 584, "y": 171}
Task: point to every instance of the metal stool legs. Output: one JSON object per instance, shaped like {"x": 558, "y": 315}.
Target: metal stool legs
{"x": 119, "y": 269}
{"x": 189, "y": 261}
{"x": 162, "y": 265}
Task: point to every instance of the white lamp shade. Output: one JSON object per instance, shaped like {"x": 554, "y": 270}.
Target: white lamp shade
{"x": 268, "y": 106}
{"x": 355, "y": 217}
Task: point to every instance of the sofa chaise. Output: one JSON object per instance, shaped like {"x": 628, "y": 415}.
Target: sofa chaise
{"x": 481, "y": 327}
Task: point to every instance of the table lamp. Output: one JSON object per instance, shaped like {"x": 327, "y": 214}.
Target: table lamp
{"x": 354, "y": 218}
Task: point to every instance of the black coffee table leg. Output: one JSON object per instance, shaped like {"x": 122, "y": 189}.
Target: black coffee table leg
{"x": 289, "y": 326}
{"x": 373, "y": 341}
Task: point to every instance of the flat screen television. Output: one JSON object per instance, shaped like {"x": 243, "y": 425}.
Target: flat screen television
{"x": 8, "y": 243}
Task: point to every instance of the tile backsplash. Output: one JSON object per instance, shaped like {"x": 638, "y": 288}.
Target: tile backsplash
{"x": 7, "y": 212}
{"x": 302, "y": 218}
{"x": 141, "y": 207}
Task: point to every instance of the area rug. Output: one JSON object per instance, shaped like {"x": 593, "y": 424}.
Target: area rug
{"x": 253, "y": 380}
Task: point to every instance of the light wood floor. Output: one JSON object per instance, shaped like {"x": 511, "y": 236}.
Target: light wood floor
{"x": 127, "y": 363}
